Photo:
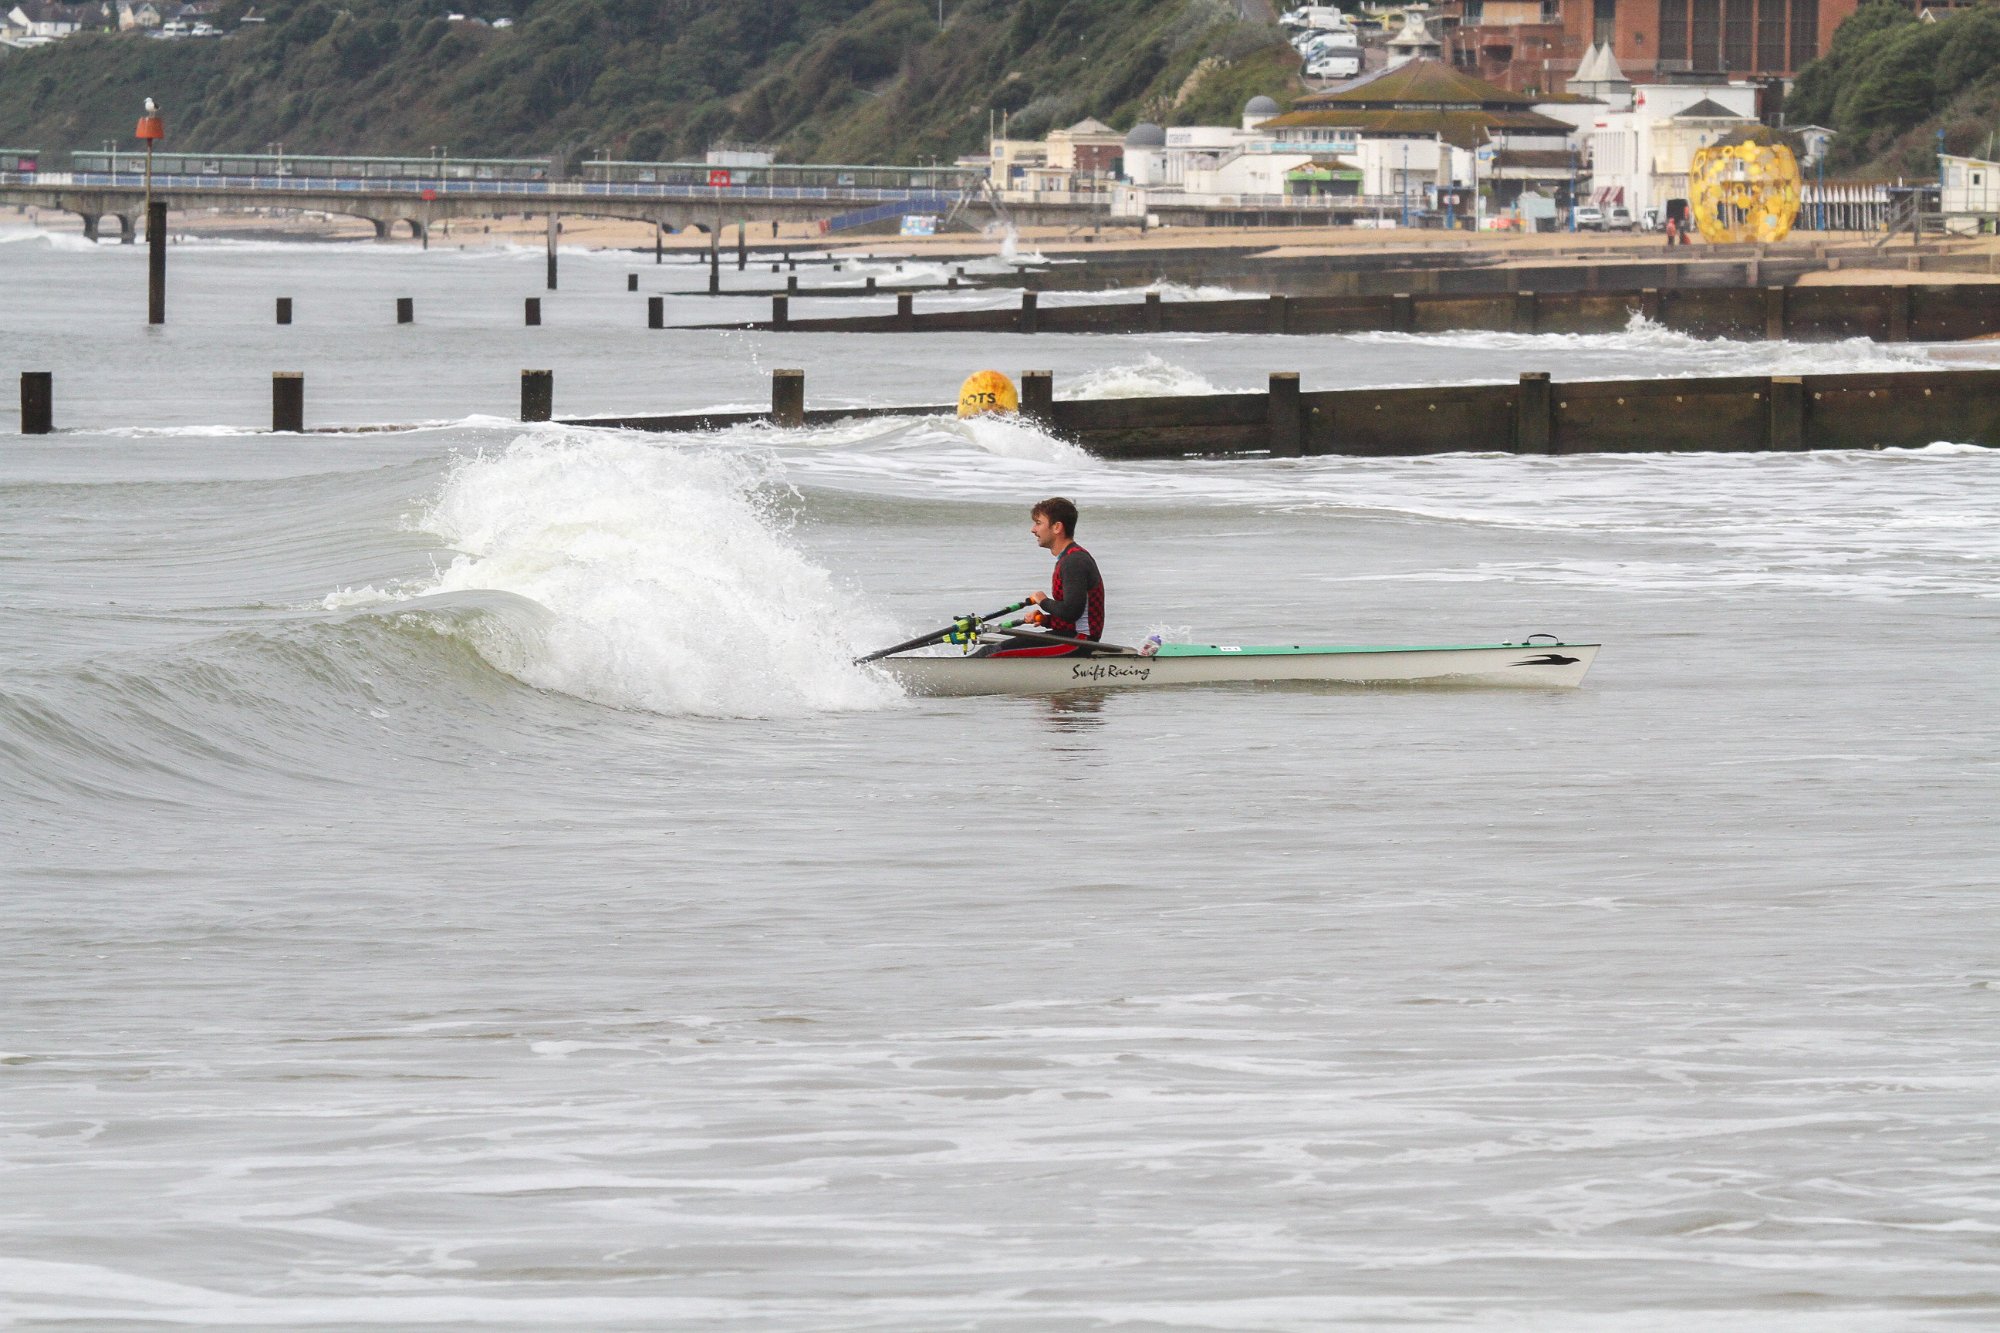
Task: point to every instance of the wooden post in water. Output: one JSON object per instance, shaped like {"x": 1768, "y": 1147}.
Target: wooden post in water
{"x": 288, "y": 400}
{"x": 406, "y": 310}
{"x": 659, "y": 249}
{"x": 1650, "y": 304}
{"x": 1038, "y": 395}
{"x": 742, "y": 245}
{"x": 554, "y": 227}
{"x": 871, "y": 284}
{"x": 631, "y": 282}
{"x": 38, "y": 402}
{"x": 1787, "y": 430}
{"x": 1402, "y": 313}
{"x": 538, "y": 395}
{"x": 656, "y": 312}
{"x": 1524, "y": 312}
{"x": 715, "y": 261}
{"x": 156, "y": 259}
{"x": 906, "y": 312}
{"x": 1154, "y": 315}
{"x": 1534, "y": 414}
{"x": 788, "y": 398}
{"x": 1282, "y": 416}
{"x": 781, "y": 312}
{"x": 1277, "y": 318}
{"x": 791, "y": 284}
{"x": 1899, "y": 314}
{"x": 284, "y": 310}
{"x": 1028, "y": 318}
{"x": 532, "y": 313}
{"x": 1774, "y": 313}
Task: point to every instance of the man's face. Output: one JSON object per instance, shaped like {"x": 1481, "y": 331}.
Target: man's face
{"x": 1047, "y": 533}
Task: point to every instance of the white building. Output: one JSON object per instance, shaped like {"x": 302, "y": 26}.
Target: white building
{"x": 1639, "y": 158}
{"x": 1970, "y": 197}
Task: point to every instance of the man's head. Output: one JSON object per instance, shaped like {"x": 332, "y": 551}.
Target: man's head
{"x": 1054, "y": 523}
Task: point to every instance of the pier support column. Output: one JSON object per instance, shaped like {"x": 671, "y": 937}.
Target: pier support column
{"x": 38, "y": 402}
{"x": 90, "y": 221}
{"x": 1774, "y": 313}
{"x": 788, "y": 398}
{"x": 1787, "y": 400}
{"x": 1029, "y": 314}
{"x": 1282, "y": 415}
{"x": 1038, "y": 395}
{"x": 1278, "y": 314}
{"x": 538, "y": 395}
{"x": 1534, "y": 414}
{"x": 156, "y": 262}
{"x": 288, "y": 400}
{"x": 128, "y": 230}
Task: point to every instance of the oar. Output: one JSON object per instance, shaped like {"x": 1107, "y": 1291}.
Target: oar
{"x": 963, "y": 623}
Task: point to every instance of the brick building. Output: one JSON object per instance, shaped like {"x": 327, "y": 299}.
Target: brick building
{"x": 1534, "y": 45}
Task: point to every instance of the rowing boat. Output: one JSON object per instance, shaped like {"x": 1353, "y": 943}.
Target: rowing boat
{"x": 1540, "y": 665}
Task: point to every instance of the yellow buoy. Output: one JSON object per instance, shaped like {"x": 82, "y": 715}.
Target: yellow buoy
{"x": 987, "y": 391}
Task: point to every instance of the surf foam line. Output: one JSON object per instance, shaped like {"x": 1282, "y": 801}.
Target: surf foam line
{"x": 665, "y": 575}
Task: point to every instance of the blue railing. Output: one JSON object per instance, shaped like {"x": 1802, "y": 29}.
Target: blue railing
{"x": 915, "y": 203}
{"x": 511, "y": 188}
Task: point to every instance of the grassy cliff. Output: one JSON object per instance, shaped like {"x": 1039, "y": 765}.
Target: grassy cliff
{"x": 1890, "y": 83}
{"x": 824, "y": 80}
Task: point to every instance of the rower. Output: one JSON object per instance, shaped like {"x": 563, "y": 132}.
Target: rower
{"x": 1076, "y": 589}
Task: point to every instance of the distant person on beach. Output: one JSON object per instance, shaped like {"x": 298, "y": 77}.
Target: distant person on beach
{"x": 1076, "y": 589}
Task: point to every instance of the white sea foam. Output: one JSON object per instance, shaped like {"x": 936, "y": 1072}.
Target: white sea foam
{"x": 668, "y": 581}
{"x": 1150, "y": 377}
{"x": 30, "y": 235}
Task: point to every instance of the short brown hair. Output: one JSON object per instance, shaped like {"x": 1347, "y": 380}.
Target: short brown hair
{"x": 1057, "y": 510}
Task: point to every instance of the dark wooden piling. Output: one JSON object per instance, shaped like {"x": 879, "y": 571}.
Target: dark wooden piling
{"x": 1899, "y": 314}
{"x": 1277, "y": 314}
{"x": 1038, "y": 394}
{"x": 1525, "y": 312}
{"x": 1282, "y": 416}
{"x": 1649, "y": 305}
{"x": 38, "y": 402}
{"x": 742, "y": 246}
{"x": 1787, "y": 416}
{"x": 781, "y": 311}
{"x": 531, "y": 313}
{"x": 776, "y": 268}
{"x": 906, "y": 311}
{"x": 406, "y": 310}
{"x": 788, "y": 398}
{"x": 538, "y": 395}
{"x": 1774, "y": 313}
{"x": 951, "y": 284}
{"x": 871, "y": 284}
{"x": 555, "y": 230}
{"x": 659, "y": 249}
{"x": 656, "y": 312}
{"x": 1402, "y": 313}
{"x": 1029, "y": 313}
{"x": 1534, "y": 404}
{"x": 284, "y": 310}
{"x": 631, "y": 282}
{"x": 156, "y": 263}
{"x": 715, "y": 262}
{"x": 288, "y": 400}
{"x": 1154, "y": 316}
{"x": 791, "y": 284}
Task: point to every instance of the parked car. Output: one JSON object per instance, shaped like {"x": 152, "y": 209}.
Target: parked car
{"x": 1620, "y": 219}
{"x": 1589, "y": 217}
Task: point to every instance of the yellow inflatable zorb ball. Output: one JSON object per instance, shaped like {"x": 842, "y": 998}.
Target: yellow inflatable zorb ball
{"x": 987, "y": 391}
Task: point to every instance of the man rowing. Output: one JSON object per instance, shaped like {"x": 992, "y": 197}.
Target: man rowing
{"x": 1076, "y": 590}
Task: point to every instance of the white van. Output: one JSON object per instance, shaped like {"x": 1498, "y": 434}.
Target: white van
{"x": 1336, "y": 64}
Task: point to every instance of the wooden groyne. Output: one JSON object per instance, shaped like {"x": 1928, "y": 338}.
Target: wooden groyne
{"x": 1809, "y": 314}
{"x": 1534, "y": 415}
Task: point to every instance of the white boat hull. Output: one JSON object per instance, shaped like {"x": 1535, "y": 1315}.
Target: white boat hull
{"x": 1539, "y": 666}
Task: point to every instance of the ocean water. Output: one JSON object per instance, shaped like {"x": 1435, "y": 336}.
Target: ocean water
{"x": 452, "y": 877}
